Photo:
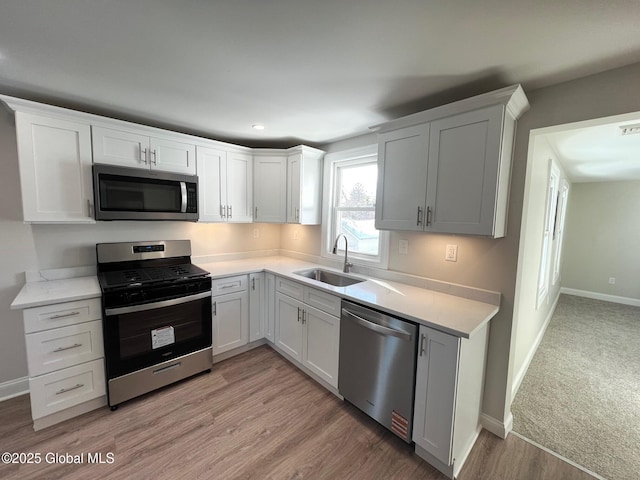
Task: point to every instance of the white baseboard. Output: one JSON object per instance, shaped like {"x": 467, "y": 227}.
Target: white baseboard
{"x": 601, "y": 296}
{"x": 495, "y": 426}
{"x": 14, "y": 388}
{"x": 517, "y": 380}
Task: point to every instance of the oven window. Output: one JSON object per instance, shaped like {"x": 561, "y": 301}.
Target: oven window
{"x": 136, "y": 330}
{"x": 118, "y": 193}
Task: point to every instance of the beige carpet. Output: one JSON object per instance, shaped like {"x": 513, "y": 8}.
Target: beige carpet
{"x": 581, "y": 394}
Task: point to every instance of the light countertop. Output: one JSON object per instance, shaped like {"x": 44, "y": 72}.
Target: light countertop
{"x": 448, "y": 313}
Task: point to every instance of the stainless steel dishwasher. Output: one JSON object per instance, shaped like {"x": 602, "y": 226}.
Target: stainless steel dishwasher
{"x": 377, "y": 367}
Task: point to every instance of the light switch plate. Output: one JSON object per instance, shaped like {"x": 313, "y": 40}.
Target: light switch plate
{"x": 451, "y": 254}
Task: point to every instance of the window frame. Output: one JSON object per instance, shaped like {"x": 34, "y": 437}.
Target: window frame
{"x": 351, "y": 157}
{"x": 546, "y": 254}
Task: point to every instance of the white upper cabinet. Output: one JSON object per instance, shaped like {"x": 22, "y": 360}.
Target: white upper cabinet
{"x": 55, "y": 169}
{"x": 134, "y": 149}
{"x": 447, "y": 170}
{"x": 270, "y": 189}
{"x": 224, "y": 185}
{"x": 304, "y": 186}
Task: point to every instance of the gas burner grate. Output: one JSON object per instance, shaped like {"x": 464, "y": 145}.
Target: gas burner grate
{"x": 180, "y": 270}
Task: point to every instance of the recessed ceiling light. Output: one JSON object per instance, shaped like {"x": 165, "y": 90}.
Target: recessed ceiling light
{"x": 258, "y": 126}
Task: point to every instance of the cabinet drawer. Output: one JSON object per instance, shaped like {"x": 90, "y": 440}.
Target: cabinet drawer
{"x": 292, "y": 289}
{"x": 322, "y": 301}
{"x": 222, "y": 286}
{"x": 61, "y": 314}
{"x": 66, "y": 388}
{"x": 63, "y": 347}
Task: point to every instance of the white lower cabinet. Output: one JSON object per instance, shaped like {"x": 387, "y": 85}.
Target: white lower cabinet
{"x": 257, "y": 306}
{"x": 230, "y": 313}
{"x": 65, "y": 356}
{"x": 308, "y": 334}
{"x": 448, "y": 397}
{"x": 270, "y": 306}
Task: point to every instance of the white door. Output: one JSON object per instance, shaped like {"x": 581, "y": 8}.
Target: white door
{"x": 230, "y": 321}
{"x": 210, "y": 181}
{"x": 435, "y": 398}
{"x": 172, "y": 156}
{"x": 239, "y": 187}
{"x": 402, "y": 178}
{"x": 270, "y": 306}
{"x": 464, "y": 157}
{"x": 55, "y": 169}
{"x": 289, "y": 325}
{"x": 117, "y": 147}
{"x": 257, "y": 306}
{"x": 321, "y": 340}
{"x": 270, "y": 189}
{"x": 294, "y": 176}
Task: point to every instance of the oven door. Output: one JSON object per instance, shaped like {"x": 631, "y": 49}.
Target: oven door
{"x": 140, "y": 336}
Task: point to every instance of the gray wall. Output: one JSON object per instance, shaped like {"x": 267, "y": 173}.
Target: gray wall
{"x": 603, "y": 239}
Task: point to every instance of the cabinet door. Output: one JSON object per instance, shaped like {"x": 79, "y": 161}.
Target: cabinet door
{"x": 294, "y": 172}
{"x": 289, "y": 325}
{"x": 321, "y": 340}
{"x": 435, "y": 397}
{"x": 239, "y": 187}
{"x": 257, "y": 306}
{"x": 210, "y": 184}
{"x": 464, "y": 159}
{"x": 270, "y": 306}
{"x": 172, "y": 156}
{"x": 230, "y": 321}
{"x": 55, "y": 169}
{"x": 402, "y": 178}
{"x": 270, "y": 189}
{"x": 116, "y": 147}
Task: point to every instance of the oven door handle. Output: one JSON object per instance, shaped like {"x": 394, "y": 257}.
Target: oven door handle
{"x": 183, "y": 193}
{"x": 154, "y": 305}
{"x": 376, "y": 327}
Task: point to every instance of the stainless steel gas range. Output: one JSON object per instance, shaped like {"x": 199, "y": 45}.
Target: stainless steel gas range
{"x": 157, "y": 316}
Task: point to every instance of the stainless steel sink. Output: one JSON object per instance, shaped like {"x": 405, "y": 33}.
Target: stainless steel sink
{"x": 331, "y": 278}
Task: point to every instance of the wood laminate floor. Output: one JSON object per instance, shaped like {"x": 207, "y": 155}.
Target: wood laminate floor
{"x": 254, "y": 416}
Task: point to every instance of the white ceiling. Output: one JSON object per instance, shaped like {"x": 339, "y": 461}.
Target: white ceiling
{"x": 312, "y": 71}
{"x": 599, "y": 153}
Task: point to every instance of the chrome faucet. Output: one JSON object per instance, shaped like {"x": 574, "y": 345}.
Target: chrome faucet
{"x": 347, "y": 265}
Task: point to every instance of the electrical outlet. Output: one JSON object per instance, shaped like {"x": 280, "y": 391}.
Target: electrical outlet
{"x": 612, "y": 280}
{"x": 256, "y": 233}
{"x": 403, "y": 247}
{"x": 451, "y": 253}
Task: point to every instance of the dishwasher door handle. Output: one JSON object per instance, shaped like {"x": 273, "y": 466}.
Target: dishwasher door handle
{"x": 377, "y": 327}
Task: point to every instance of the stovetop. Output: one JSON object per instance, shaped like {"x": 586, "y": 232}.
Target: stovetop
{"x": 137, "y": 276}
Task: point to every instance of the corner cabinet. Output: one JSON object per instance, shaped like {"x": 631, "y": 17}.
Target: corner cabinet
{"x": 447, "y": 170}
{"x": 288, "y": 186}
{"x": 448, "y": 397}
{"x": 55, "y": 169}
{"x": 225, "y": 181}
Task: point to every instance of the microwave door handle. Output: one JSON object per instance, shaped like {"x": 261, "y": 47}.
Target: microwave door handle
{"x": 183, "y": 191}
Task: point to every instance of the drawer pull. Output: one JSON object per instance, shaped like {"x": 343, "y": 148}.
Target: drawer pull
{"x": 62, "y": 349}
{"x": 230, "y": 285}
{"x": 64, "y": 315}
{"x": 65, "y": 390}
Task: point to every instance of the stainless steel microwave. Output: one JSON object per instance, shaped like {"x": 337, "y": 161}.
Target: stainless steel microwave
{"x": 123, "y": 193}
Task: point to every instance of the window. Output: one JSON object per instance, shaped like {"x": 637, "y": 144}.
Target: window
{"x": 350, "y": 206}
{"x": 558, "y": 232}
{"x": 547, "y": 237}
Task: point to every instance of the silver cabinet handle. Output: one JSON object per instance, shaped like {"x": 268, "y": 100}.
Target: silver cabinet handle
{"x": 64, "y": 315}
{"x": 65, "y": 390}
{"x": 253, "y": 284}
{"x": 62, "y": 349}
{"x": 377, "y": 328}
{"x": 155, "y": 157}
{"x": 89, "y": 208}
{"x": 297, "y": 214}
{"x": 298, "y": 314}
{"x": 304, "y": 316}
{"x": 429, "y": 212}
{"x": 230, "y": 212}
{"x": 230, "y": 285}
{"x": 143, "y": 155}
{"x": 255, "y": 215}
{"x": 222, "y": 210}
{"x": 422, "y": 340}
{"x": 215, "y": 309}
{"x": 419, "y": 219}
